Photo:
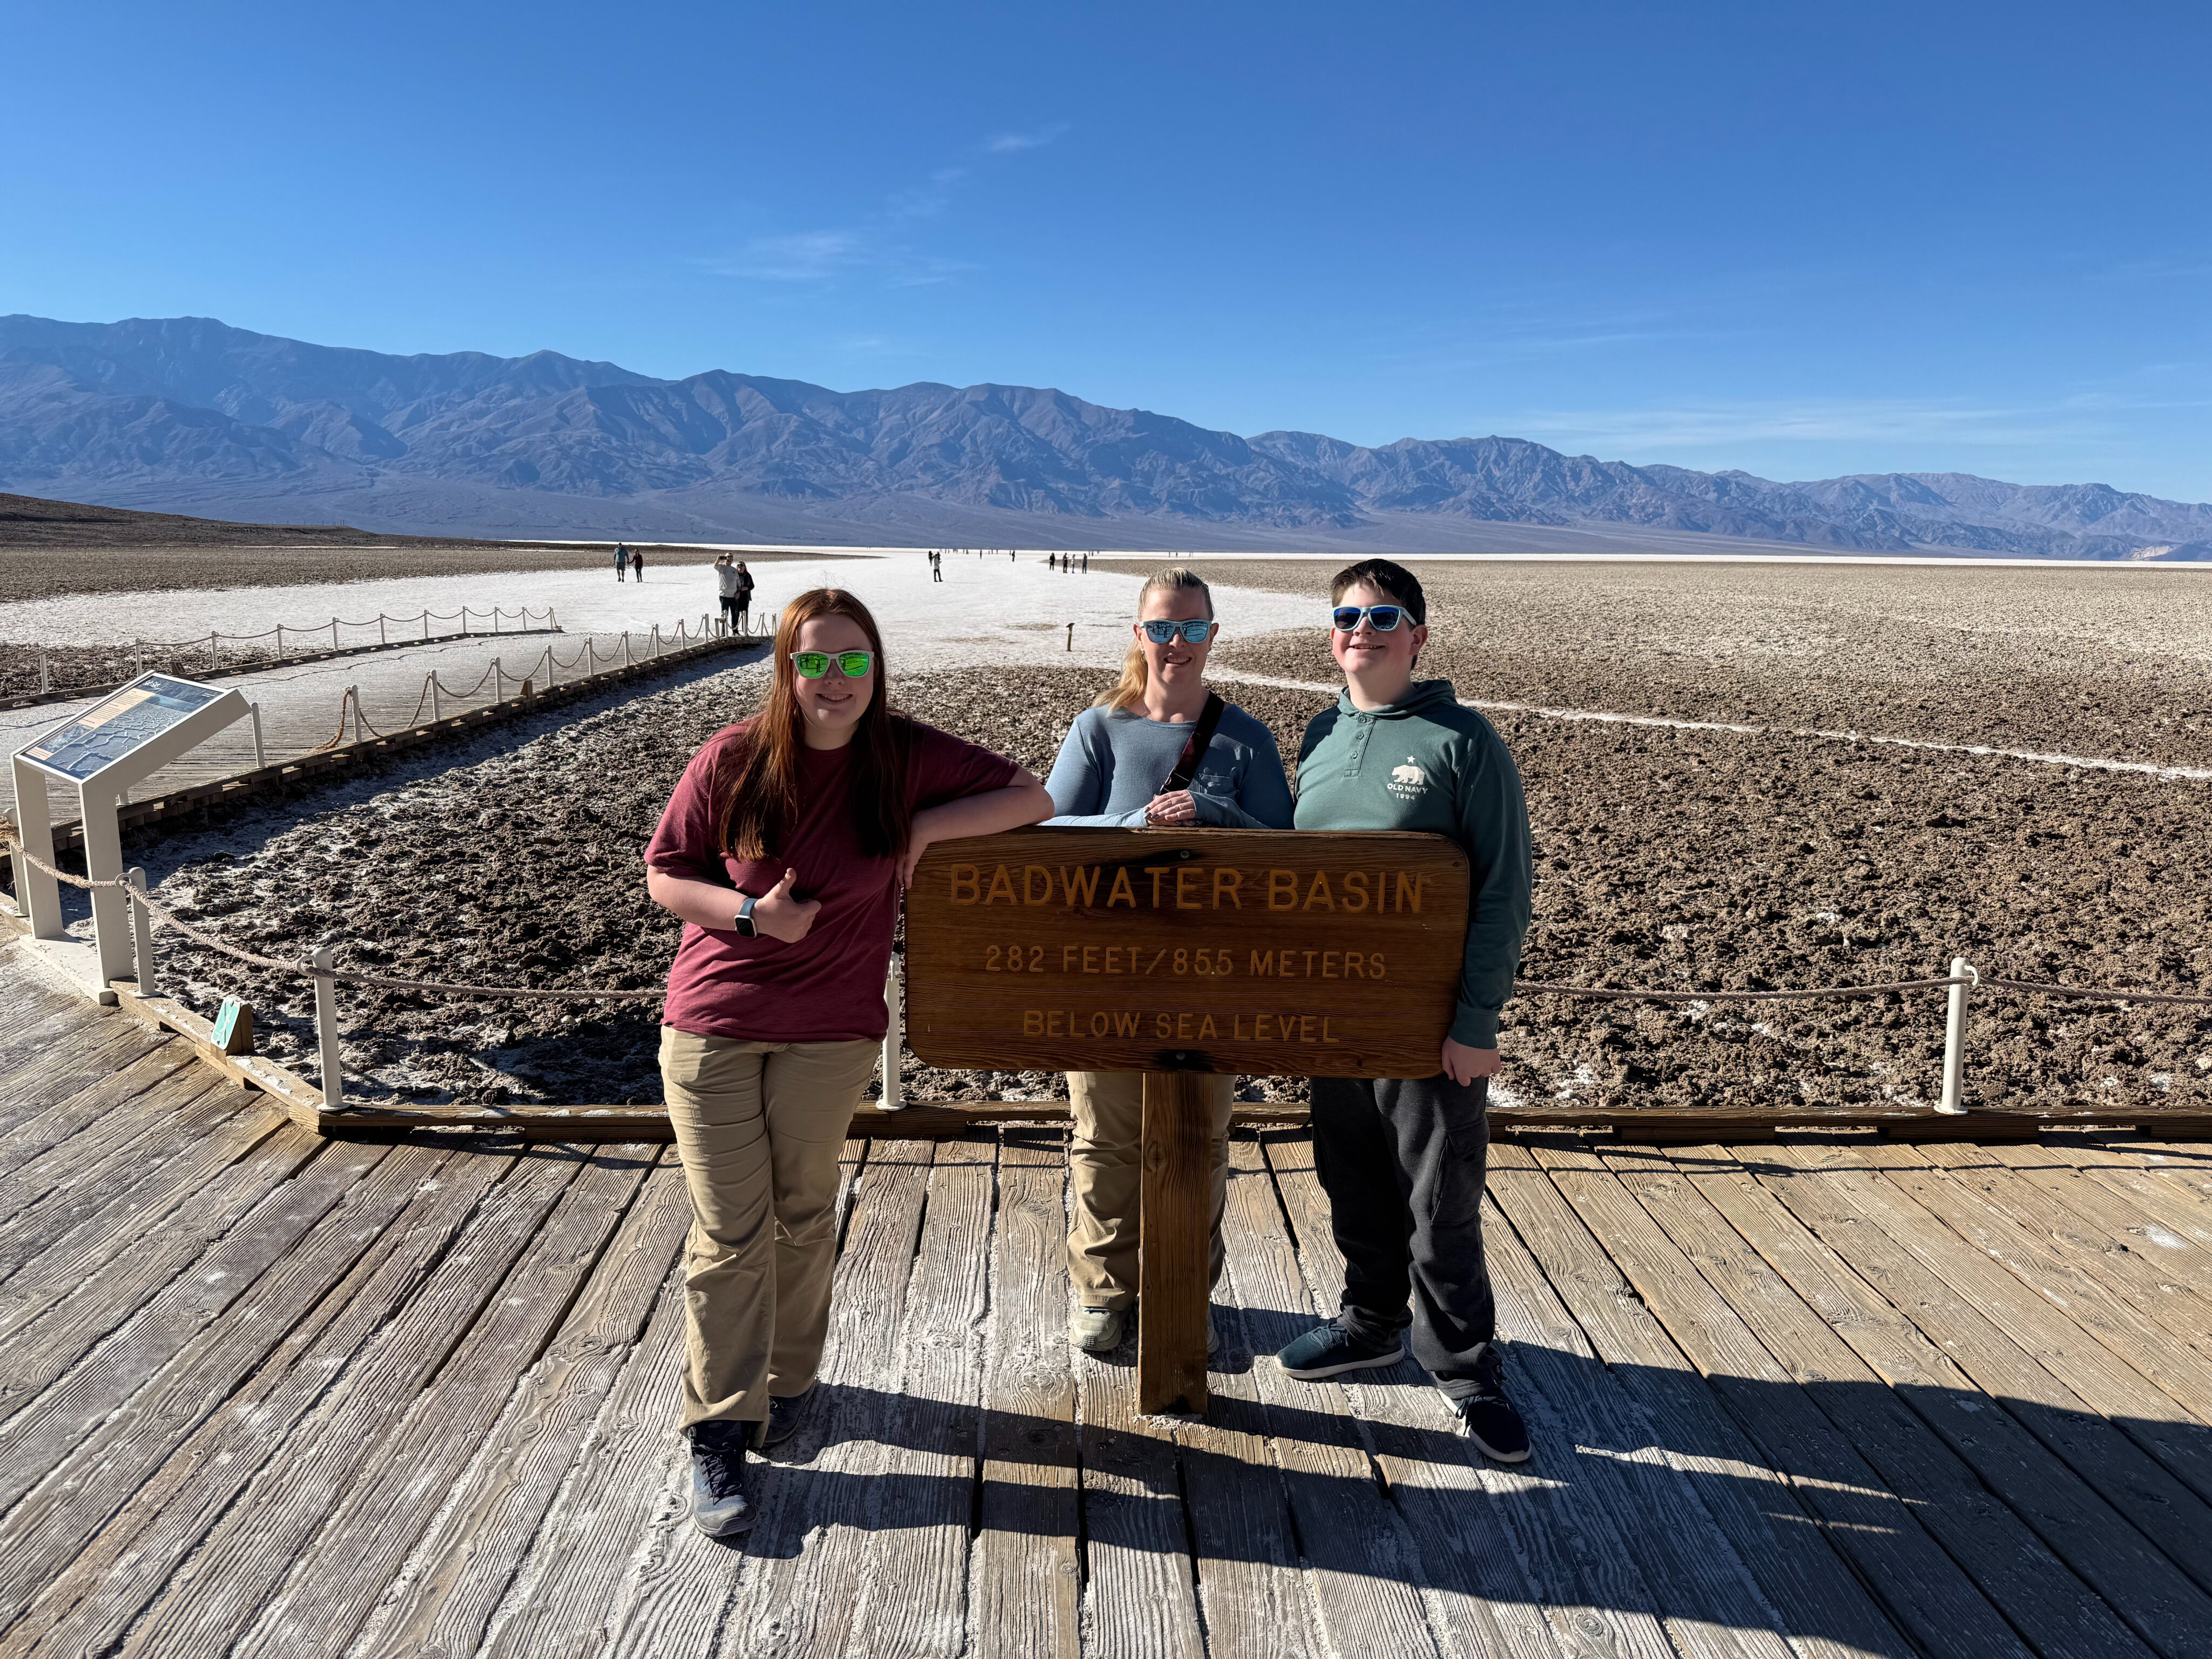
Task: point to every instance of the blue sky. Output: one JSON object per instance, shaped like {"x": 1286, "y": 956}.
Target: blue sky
{"x": 1800, "y": 239}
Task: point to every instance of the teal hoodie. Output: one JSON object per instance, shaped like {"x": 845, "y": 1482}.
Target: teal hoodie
{"x": 1429, "y": 764}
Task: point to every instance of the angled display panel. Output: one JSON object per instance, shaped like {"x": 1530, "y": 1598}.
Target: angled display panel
{"x": 114, "y": 730}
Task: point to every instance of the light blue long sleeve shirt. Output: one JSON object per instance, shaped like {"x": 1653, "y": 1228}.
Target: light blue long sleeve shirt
{"x": 1114, "y": 761}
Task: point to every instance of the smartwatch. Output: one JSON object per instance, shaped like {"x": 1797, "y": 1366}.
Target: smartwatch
{"x": 744, "y": 926}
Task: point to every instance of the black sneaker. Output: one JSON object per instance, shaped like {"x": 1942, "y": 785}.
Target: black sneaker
{"x": 1330, "y": 1350}
{"x": 721, "y": 1486}
{"x": 785, "y": 1418}
{"x": 1487, "y": 1418}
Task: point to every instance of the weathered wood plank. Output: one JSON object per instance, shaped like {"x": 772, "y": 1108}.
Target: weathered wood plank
{"x": 1705, "y": 1596}
{"x": 113, "y": 1461}
{"x": 807, "y": 1557}
{"x": 77, "y": 1060}
{"x": 103, "y": 1591}
{"x": 1311, "y": 1560}
{"x": 79, "y": 1127}
{"x": 460, "y": 1570}
{"x": 912, "y": 1593}
{"x": 205, "y": 1608}
{"x": 2108, "y": 1460}
{"x": 45, "y": 1429}
{"x": 56, "y": 1194}
{"x": 2132, "y": 1402}
{"x": 1841, "y": 1312}
{"x": 1695, "y": 1269}
{"x": 1138, "y": 1600}
{"x": 45, "y": 1338}
{"x": 359, "y": 1550}
{"x": 1822, "y": 1606}
{"x": 2062, "y": 1281}
{"x": 1027, "y": 1584}
{"x": 1592, "y": 1596}
{"x": 2177, "y": 1259}
{"x": 632, "y": 1475}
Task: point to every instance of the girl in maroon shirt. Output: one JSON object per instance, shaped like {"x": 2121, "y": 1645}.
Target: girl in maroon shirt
{"x": 784, "y": 849}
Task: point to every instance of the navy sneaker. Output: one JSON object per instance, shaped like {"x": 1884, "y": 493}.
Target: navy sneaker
{"x": 1487, "y": 1416}
{"x": 721, "y": 1489}
{"x": 785, "y": 1418}
{"x": 1330, "y": 1350}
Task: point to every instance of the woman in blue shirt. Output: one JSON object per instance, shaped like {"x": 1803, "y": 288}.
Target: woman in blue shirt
{"x": 1112, "y": 770}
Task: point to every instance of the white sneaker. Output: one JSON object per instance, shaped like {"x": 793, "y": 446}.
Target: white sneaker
{"x": 1095, "y": 1330}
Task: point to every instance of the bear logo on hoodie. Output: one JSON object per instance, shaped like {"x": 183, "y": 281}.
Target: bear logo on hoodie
{"x": 1408, "y": 780}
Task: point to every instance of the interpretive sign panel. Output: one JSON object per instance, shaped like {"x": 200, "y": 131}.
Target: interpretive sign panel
{"x": 1258, "y": 951}
{"x": 113, "y": 729}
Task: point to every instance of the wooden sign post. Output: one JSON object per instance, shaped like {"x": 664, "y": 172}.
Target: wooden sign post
{"x": 1173, "y": 952}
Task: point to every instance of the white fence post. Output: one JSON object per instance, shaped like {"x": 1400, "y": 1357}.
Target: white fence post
{"x": 382, "y": 638}
{"x": 888, "y": 1100}
{"x": 326, "y": 1032}
{"x": 334, "y": 633}
{"x": 280, "y": 639}
{"x": 1955, "y": 1039}
{"x": 260, "y": 755}
{"x": 437, "y": 713}
{"x": 45, "y": 675}
{"x": 215, "y": 654}
{"x": 142, "y": 930}
{"x": 138, "y": 657}
{"x": 426, "y": 621}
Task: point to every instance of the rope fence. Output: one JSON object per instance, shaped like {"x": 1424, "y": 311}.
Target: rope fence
{"x": 319, "y": 967}
{"x": 204, "y": 653}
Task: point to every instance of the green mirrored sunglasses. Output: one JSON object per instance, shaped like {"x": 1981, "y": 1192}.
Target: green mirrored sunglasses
{"x": 813, "y": 664}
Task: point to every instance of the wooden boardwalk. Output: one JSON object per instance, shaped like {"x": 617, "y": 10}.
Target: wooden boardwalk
{"x": 265, "y": 1395}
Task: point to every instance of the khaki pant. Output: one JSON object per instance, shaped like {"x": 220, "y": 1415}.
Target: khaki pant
{"x": 1105, "y": 1167}
{"x": 759, "y": 1126}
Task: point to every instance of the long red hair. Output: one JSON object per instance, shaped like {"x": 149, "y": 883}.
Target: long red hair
{"x": 760, "y": 800}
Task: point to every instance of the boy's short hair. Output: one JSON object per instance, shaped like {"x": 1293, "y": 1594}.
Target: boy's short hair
{"x": 1399, "y": 583}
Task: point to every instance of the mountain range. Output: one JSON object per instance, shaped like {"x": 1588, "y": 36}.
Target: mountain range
{"x": 190, "y": 415}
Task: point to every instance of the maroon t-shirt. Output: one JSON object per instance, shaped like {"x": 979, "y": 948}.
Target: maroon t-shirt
{"x": 828, "y": 987}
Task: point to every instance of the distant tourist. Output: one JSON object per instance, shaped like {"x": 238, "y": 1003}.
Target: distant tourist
{"x": 622, "y": 560}
{"x": 745, "y": 598}
{"x": 726, "y": 587}
{"x": 1160, "y": 748}
{"x": 815, "y": 812}
{"x": 937, "y": 566}
{"x": 637, "y": 562}
{"x": 1404, "y": 1161}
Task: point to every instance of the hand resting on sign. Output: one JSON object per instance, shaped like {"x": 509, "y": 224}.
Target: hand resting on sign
{"x": 1177, "y": 807}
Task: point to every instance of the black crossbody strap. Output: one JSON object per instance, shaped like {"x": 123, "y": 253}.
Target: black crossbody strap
{"x": 1194, "y": 750}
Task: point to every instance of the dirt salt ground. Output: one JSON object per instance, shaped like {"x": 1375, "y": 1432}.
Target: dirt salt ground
{"x": 1677, "y": 858}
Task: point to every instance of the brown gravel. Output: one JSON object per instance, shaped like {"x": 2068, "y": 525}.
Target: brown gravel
{"x": 1689, "y": 859}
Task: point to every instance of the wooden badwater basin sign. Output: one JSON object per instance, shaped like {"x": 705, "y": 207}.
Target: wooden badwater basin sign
{"x": 1173, "y": 953}
{"x": 1260, "y": 951}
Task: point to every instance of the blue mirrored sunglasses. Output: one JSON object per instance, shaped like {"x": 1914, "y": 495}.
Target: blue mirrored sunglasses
{"x": 1195, "y": 630}
{"x": 1345, "y": 617}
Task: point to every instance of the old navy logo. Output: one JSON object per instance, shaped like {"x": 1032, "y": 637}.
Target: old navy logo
{"x": 1407, "y": 782}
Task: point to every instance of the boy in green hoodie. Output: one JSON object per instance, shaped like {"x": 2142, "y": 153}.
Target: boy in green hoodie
{"x": 1403, "y": 1161}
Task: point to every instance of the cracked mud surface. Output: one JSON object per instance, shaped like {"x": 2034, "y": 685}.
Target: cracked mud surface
{"x": 1673, "y": 859}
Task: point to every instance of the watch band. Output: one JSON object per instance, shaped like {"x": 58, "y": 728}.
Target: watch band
{"x": 744, "y": 926}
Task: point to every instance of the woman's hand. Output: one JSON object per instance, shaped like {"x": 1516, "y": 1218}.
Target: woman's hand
{"x": 1463, "y": 1065}
{"x": 1172, "y": 809}
{"x": 779, "y": 916}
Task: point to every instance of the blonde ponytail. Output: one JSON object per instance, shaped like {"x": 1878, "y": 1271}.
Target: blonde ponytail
{"x": 1129, "y": 690}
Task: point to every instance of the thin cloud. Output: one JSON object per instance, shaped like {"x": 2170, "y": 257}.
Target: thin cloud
{"x": 1006, "y": 143}
{"x": 811, "y": 256}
